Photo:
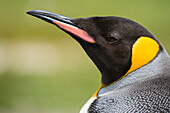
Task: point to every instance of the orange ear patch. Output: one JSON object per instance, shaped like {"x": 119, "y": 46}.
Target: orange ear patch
{"x": 144, "y": 50}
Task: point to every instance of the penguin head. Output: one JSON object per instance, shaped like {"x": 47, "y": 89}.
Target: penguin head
{"x": 116, "y": 45}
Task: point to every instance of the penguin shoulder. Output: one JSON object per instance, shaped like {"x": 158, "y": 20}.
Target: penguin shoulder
{"x": 147, "y": 96}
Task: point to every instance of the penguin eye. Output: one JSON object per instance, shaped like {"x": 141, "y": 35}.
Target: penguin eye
{"x": 111, "y": 39}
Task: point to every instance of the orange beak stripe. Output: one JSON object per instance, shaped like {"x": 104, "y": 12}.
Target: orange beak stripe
{"x": 76, "y": 31}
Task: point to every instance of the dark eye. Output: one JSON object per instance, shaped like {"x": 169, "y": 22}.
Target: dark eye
{"x": 111, "y": 39}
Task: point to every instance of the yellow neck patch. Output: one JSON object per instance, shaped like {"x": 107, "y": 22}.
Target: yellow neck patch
{"x": 144, "y": 50}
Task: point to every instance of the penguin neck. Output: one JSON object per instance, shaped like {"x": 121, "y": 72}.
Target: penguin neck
{"x": 160, "y": 65}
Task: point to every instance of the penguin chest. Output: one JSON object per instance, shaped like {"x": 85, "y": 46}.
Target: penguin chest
{"x": 85, "y": 108}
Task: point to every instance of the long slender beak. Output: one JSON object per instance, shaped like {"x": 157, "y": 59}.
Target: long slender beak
{"x": 63, "y": 23}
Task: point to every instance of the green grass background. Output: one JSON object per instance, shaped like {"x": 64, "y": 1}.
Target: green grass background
{"x": 66, "y": 85}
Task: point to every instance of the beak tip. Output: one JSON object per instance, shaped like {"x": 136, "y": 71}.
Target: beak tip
{"x": 31, "y": 12}
{"x": 28, "y": 12}
{"x": 34, "y": 12}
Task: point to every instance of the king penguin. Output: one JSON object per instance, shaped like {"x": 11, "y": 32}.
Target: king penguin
{"x": 134, "y": 66}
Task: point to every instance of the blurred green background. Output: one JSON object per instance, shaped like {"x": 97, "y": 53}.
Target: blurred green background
{"x": 42, "y": 69}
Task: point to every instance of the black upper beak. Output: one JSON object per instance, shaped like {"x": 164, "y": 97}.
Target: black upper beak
{"x": 50, "y": 17}
{"x": 62, "y": 22}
